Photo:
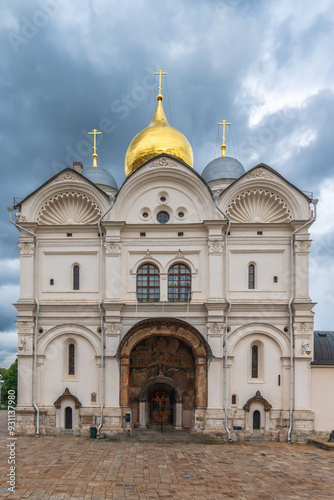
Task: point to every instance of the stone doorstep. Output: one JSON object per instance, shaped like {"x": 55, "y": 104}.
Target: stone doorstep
{"x": 322, "y": 443}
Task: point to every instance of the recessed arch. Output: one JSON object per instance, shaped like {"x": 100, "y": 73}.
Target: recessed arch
{"x": 261, "y": 330}
{"x": 167, "y": 327}
{"x": 152, "y": 384}
{"x": 55, "y": 334}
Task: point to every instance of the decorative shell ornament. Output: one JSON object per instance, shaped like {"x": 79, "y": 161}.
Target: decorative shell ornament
{"x": 69, "y": 208}
{"x": 258, "y": 206}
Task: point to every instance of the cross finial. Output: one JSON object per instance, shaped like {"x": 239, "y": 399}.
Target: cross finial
{"x": 95, "y": 132}
{"x": 223, "y": 146}
{"x": 160, "y": 72}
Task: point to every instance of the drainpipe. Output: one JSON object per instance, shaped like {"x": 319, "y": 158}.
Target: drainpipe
{"x": 112, "y": 200}
{"x": 10, "y": 209}
{"x": 292, "y": 239}
{"x": 226, "y": 319}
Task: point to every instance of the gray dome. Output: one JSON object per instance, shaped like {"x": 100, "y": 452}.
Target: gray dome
{"x": 100, "y": 176}
{"x": 224, "y": 167}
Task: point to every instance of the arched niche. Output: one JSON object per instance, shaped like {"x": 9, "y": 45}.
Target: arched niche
{"x": 63, "y": 403}
{"x": 168, "y": 331}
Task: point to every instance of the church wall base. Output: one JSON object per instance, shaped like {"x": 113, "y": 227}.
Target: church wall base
{"x": 25, "y": 421}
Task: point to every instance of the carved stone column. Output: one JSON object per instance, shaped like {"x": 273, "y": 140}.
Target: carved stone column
{"x": 201, "y": 383}
{"x": 27, "y": 265}
{"x": 113, "y": 270}
{"x": 302, "y": 248}
{"x": 215, "y": 248}
{"x": 178, "y": 414}
{"x": 124, "y": 385}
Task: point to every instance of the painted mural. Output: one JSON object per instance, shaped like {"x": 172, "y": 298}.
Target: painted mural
{"x": 162, "y": 357}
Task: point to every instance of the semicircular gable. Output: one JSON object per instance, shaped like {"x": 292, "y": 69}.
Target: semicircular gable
{"x": 69, "y": 208}
{"x": 186, "y": 192}
{"x": 258, "y": 205}
{"x": 283, "y": 201}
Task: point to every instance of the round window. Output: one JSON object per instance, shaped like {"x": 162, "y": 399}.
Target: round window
{"x": 180, "y": 214}
{"x": 163, "y": 199}
{"x": 145, "y": 215}
{"x": 163, "y": 217}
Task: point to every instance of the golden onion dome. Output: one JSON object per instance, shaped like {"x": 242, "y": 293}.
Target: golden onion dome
{"x": 158, "y": 138}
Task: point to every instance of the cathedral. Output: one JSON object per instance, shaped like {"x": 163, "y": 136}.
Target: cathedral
{"x": 178, "y": 299}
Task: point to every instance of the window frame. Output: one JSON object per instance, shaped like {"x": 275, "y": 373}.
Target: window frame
{"x": 174, "y": 292}
{"x": 75, "y": 279}
{"x": 152, "y": 283}
{"x": 71, "y": 359}
{"x": 251, "y": 276}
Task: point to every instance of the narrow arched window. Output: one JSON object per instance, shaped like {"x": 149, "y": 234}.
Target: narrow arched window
{"x": 148, "y": 283}
{"x": 234, "y": 399}
{"x": 255, "y": 361}
{"x": 76, "y": 277}
{"x": 179, "y": 283}
{"x": 71, "y": 359}
{"x": 251, "y": 277}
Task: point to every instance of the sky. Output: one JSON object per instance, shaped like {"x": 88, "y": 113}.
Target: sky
{"x": 69, "y": 66}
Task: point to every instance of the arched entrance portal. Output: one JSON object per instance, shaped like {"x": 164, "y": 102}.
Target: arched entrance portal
{"x": 164, "y": 374}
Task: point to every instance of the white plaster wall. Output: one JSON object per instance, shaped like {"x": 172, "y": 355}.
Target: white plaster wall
{"x": 322, "y": 400}
{"x": 59, "y": 267}
{"x": 241, "y": 382}
{"x": 55, "y": 372}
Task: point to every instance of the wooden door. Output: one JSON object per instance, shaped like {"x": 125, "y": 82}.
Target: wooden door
{"x": 160, "y": 407}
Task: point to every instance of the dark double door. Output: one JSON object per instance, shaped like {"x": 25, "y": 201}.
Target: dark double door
{"x": 160, "y": 407}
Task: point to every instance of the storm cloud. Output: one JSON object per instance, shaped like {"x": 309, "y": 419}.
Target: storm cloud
{"x": 70, "y": 66}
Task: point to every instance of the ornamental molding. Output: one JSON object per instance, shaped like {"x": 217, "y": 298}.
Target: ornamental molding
{"x": 303, "y": 328}
{"x": 112, "y": 328}
{"x": 69, "y": 208}
{"x": 67, "y": 176}
{"x": 258, "y": 205}
{"x": 260, "y": 173}
{"x": 22, "y": 218}
{"x": 22, "y": 346}
{"x": 67, "y": 394}
{"x": 216, "y": 328}
{"x": 258, "y": 399}
{"x": 302, "y": 246}
{"x": 215, "y": 246}
{"x": 26, "y": 248}
{"x": 25, "y": 327}
{"x": 113, "y": 248}
{"x": 163, "y": 162}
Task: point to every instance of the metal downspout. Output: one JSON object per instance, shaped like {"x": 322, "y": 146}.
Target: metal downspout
{"x": 112, "y": 199}
{"x": 314, "y": 202}
{"x": 10, "y": 209}
{"x": 226, "y": 319}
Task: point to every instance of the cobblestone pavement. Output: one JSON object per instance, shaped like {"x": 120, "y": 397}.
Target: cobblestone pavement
{"x": 67, "y": 467}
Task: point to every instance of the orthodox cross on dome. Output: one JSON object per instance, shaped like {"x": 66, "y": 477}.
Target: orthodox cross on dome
{"x": 160, "y": 72}
{"x": 223, "y": 146}
{"x": 95, "y": 132}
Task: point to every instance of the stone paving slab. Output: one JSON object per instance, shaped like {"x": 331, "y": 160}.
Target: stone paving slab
{"x": 81, "y": 468}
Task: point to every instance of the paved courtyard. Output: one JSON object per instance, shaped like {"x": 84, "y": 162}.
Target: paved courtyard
{"x": 82, "y": 468}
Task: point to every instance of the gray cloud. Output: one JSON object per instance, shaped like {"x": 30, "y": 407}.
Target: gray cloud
{"x": 89, "y": 64}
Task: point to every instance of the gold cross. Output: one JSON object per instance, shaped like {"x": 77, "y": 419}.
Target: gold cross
{"x": 95, "y": 132}
{"x": 160, "y": 72}
{"x": 223, "y": 146}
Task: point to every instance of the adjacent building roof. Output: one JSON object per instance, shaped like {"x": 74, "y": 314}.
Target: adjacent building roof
{"x": 323, "y": 348}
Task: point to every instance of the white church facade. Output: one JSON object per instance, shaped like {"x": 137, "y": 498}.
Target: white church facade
{"x": 179, "y": 298}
